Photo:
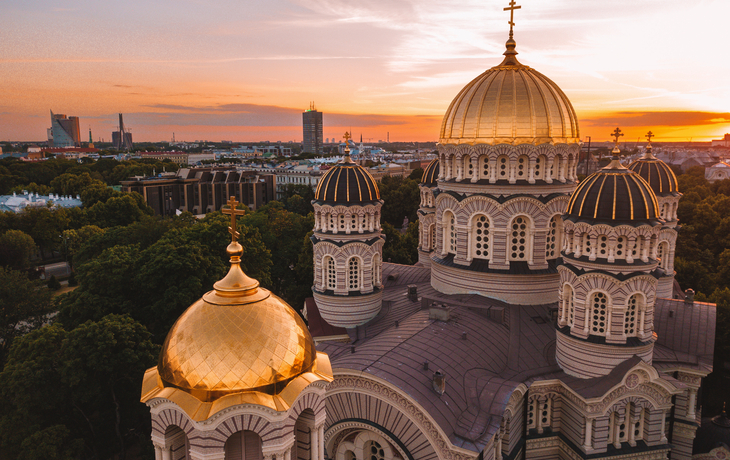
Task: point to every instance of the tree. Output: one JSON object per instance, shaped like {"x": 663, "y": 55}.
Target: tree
{"x": 101, "y": 365}
{"x": 416, "y": 174}
{"x": 119, "y": 210}
{"x": 401, "y": 199}
{"x": 72, "y": 184}
{"x": 52, "y": 443}
{"x": 53, "y": 283}
{"x": 23, "y": 306}
{"x": 74, "y": 239}
{"x": 16, "y": 248}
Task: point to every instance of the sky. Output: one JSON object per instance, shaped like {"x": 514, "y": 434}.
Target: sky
{"x": 245, "y": 70}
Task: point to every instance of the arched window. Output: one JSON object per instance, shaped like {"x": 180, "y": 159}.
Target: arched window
{"x": 484, "y": 167}
{"x": 522, "y": 164}
{"x": 632, "y": 314}
{"x": 342, "y": 222}
{"x": 373, "y": 451}
{"x": 178, "y": 442}
{"x": 636, "y": 250}
{"x": 545, "y": 412}
{"x": 330, "y": 274}
{"x": 532, "y": 402}
{"x": 540, "y": 167}
{"x": 243, "y": 445}
{"x": 376, "y": 269}
{"x": 638, "y": 425}
{"x": 620, "y": 252}
{"x": 553, "y": 243}
{"x": 364, "y": 223}
{"x": 432, "y": 237}
{"x": 502, "y": 167}
{"x": 332, "y": 224}
{"x": 603, "y": 246}
{"x": 599, "y": 314}
{"x": 519, "y": 241}
{"x": 303, "y": 428}
{"x": 480, "y": 236}
{"x": 468, "y": 167}
{"x": 353, "y": 274}
{"x": 449, "y": 223}
{"x": 663, "y": 255}
{"x": 353, "y": 223}
{"x": 454, "y": 167}
{"x": 586, "y": 244}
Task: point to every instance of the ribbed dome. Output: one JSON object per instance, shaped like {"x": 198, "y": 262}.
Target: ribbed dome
{"x": 510, "y": 104}
{"x": 614, "y": 193}
{"x": 347, "y": 183}
{"x": 431, "y": 174}
{"x": 660, "y": 177}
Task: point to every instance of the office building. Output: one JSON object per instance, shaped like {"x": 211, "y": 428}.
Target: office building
{"x": 64, "y": 131}
{"x": 312, "y": 125}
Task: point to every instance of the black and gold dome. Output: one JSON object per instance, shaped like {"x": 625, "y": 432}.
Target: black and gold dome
{"x": 347, "y": 183}
{"x": 613, "y": 194}
{"x": 431, "y": 174}
{"x": 656, "y": 173}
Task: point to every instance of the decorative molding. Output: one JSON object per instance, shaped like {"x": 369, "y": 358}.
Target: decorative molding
{"x": 385, "y": 392}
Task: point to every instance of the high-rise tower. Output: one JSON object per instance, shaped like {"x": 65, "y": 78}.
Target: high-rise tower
{"x": 65, "y": 131}
{"x": 312, "y": 130}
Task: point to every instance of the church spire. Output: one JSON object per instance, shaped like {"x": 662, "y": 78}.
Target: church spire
{"x": 510, "y": 54}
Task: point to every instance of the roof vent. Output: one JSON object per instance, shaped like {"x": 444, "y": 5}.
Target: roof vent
{"x": 412, "y": 292}
{"x": 439, "y": 382}
{"x": 689, "y": 296}
{"x": 439, "y": 312}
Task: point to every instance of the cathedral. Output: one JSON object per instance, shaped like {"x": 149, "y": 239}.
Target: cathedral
{"x": 542, "y": 320}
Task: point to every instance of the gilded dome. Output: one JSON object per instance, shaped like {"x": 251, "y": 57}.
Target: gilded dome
{"x": 660, "y": 177}
{"x": 219, "y": 348}
{"x": 613, "y": 194}
{"x": 238, "y": 344}
{"x": 510, "y": 104}
{"x": 431, "y": 174}
{"x": 347, "y": 183}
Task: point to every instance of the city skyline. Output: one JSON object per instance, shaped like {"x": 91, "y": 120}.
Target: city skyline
{"x": 245, "y": 72}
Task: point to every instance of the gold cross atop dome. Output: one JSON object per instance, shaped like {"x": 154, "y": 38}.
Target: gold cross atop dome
{"x": 616, "y": 134}
{"x": 233, "y": 212}
{"x": 649, "y": 135}
{"x": 511, "y": 8}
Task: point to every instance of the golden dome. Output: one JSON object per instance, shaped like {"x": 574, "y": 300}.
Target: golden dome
{"x": 660, "y": 177}
{"x": 238, "y": 344}
{"x": 347, "y": 183}
{"x": 613, "y": 194}
{"x": 431, "y": 174}
{"x": 510, "y": 104}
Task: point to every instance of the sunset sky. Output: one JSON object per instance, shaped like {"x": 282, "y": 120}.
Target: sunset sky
{"x": 244, "y": 70}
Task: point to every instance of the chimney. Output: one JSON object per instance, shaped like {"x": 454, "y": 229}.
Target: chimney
{"x": 439, "y": 312}
{"x": 412, "y": 292}
{"x": 689, "y": 297}
{"x": 439, "y": 382}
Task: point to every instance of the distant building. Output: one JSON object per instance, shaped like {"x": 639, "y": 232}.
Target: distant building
{"x": 181, "y": 158}
{"x": 18, "y": 203}
{"x": 202, "y": 190}
{"x": 716, "y": 172}
{"x": 724, "y": 142}
{"x": 64, "y": 131}
{"x": 312, "y": 125}
{"x": 122, "y": 140}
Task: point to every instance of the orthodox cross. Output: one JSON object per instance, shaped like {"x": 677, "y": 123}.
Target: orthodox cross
{"x": 233, "y": 212}
{"x": 617, "y": 133}
{"x": 347, "y": 137}
{"x": 511, "y": 8}
{"x": 649, "y": 135}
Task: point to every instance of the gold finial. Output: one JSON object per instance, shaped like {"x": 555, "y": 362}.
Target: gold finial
{"x": 616, "y": 134}
{"x": 648, "y": 136}
{"x": 616, "y": 151}
{"x": 511, "y": 8}
{"x": 233, "y": 212}
{"x": 647, "y": 154}
{"x": 347, "y": 158}
{"x": 510, "y": 54}
{"x": 236, "y": 282}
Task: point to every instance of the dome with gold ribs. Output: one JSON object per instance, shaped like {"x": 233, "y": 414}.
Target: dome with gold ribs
{"x": 238, "y": 344}
{"x": 431, "y": 174}
{"x": 510, "y": 104}
{"x": 660, "y": 177}
{"x": 347, "y": 183}
{"x": 613, "y": 194}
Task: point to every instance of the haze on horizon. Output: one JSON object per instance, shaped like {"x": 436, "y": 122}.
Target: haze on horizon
{"x": 244, "y": 71}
